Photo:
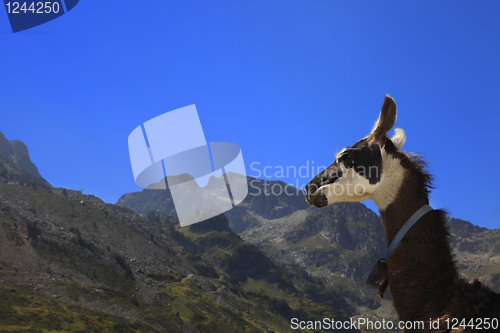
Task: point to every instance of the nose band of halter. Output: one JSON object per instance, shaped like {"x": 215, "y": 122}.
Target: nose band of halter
{"x": 378, "y": 277}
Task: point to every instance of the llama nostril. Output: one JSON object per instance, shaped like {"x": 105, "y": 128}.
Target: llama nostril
{"x": 308, "y": 189}
{"x": 311, "y": 190}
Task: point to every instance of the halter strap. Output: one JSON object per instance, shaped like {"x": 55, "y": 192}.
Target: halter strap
{"x": 407, "y": 226}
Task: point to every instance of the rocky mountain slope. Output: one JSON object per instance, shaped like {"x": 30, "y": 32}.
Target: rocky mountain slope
{"x": 70, "y": 262}
{"x": 260, "y": 202}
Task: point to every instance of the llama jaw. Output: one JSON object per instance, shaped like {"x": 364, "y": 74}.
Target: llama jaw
{"x": 318, "y": 200}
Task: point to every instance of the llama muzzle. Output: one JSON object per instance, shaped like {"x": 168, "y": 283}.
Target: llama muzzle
{"x": 314, "y": 195}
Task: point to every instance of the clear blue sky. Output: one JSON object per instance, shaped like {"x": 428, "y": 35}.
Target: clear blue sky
{"x": 288, "y": 81}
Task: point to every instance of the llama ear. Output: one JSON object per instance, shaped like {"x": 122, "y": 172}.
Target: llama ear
{"x": 385, "y": 121}
{"x": 398, "y": 138}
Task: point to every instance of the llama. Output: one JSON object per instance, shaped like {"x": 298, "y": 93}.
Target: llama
{"x": 421, "y": 273}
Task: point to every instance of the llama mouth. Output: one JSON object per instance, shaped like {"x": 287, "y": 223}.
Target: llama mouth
{"x": 314, "y": 193}
{"x": 318, "y": 199}
{"x": 315, "y": 196}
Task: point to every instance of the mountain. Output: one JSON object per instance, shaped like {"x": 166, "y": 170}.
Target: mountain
{"x": 260, "y": 202}
{"x": 477, "y": 251}
{"x": 70, "y": 262}
{"x": 338, "y": 244}
{"x": 15, "y": 162}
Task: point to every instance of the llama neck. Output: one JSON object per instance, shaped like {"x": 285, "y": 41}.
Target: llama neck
{"x": 421, "y": 266}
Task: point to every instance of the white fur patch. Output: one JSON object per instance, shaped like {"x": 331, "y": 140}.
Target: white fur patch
{"x": 398, "y": 138}
{"x": 390, "y": 182}
{"x": 350, "y": 187}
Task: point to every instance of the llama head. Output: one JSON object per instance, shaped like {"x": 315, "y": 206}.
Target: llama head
{"x": 367, "y": 170}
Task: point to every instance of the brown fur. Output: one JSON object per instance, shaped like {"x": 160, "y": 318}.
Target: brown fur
{"x": 385, "y": 121}
{"x": 423, "y": 279}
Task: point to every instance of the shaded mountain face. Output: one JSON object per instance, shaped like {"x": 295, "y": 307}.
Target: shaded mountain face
{"x": 276, "y": 218}
{"x": 267, "y": 199}
{"x": 477, "y": 251}
{"x": 342, "y": 239}
{"x": 75, "y": 263}
{"x": 146, "y": 200}
{"x": 338, "y": 244}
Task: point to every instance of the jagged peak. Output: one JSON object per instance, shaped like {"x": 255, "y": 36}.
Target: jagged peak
{"x": 14, "y": 157}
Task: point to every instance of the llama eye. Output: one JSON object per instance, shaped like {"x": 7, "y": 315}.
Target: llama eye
{"x": 345, "y": 157}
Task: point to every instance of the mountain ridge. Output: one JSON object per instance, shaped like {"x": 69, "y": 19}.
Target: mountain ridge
{"x": 15, "y": 160}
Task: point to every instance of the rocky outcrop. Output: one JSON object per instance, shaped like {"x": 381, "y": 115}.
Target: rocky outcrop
{"x": 15, "y": 162}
